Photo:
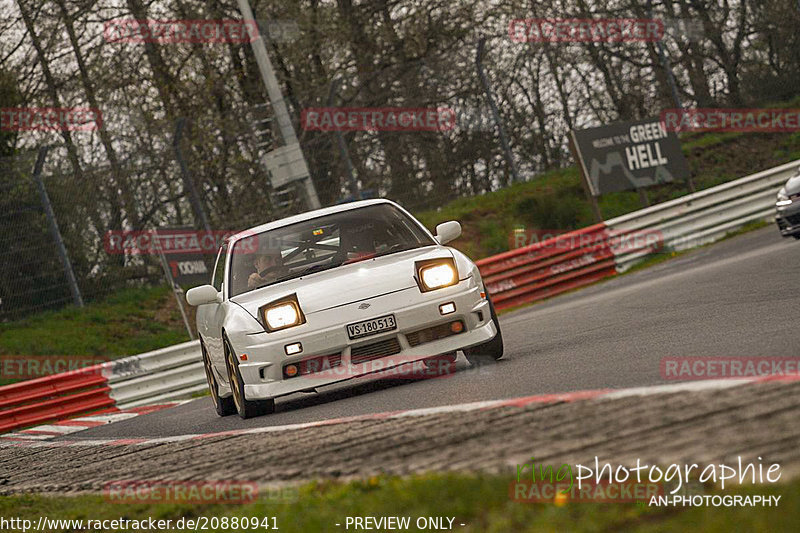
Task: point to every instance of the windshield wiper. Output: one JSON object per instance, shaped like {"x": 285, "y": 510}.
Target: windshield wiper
{"x": 309, "y": 270}
{"x": 394, "y": 250}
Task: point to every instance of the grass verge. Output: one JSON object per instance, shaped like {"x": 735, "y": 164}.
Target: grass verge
{"x": 555, "y": 202}
{"x": 480, "y": 502}
{"x": 129, "y": 322}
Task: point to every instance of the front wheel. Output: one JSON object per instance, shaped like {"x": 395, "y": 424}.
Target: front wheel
{"x": 223, "y": 406}
{"x": 489, "y": 351}
{"x": 796, "y": 237}
{"x": 245, "y": 408}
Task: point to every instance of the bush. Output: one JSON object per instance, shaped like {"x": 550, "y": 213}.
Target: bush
{"x": 560, "y": 211}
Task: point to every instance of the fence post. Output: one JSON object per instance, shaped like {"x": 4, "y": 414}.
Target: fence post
{"x": 276, "y": 99}
{"x": 176, "y": 289}
{"x": 188, "y": 182}
{"x": 509, "y": 157}
{"x": 344, "y": 153}
{"x": 587, "y": 189}
{"x": 53, "y": 224}
{"x": 673, "y": 87}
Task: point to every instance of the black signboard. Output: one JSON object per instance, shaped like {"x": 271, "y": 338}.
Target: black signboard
{"x": 629, "y": 155}
{"x": 188, "y": 269}
{"x": 187, "y": 253}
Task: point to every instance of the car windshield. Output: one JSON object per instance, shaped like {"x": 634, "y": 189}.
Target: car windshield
{"x": 320, "y": 244}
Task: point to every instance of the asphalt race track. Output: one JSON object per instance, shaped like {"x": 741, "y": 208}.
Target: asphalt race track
{"x": 735, "y": 298}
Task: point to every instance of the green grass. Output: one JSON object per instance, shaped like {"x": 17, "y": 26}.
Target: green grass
{"x": 481, "y": 502}
{"x": 129, "y": 322}
{"x": 555, "y": 200}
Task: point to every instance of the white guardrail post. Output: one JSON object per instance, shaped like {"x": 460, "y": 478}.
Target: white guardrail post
{"x": 161, "y": 375}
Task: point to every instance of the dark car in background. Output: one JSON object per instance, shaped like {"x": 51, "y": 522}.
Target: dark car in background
{"x": 788, "y": 207}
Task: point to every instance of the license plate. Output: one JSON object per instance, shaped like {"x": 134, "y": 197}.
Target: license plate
{"x": 371, "y": 327}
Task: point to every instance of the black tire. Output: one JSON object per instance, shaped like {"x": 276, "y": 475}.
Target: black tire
{"x": 223, "y": 406}
{"x": 435, "y": 361}
{"x": 441, "y": 365}
{"x": 796, "y": 237}
{"x": 489, "y": 351}
{"x": 245, "y": 408}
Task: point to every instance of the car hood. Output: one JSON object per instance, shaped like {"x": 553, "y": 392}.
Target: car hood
{"x": 345, "y": 284}
{"x": 793, "y": 185}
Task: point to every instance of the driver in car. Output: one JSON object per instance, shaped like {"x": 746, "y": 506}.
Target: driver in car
{"x": 268, "y": 264}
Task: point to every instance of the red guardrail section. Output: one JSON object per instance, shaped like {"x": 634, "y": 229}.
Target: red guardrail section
{"x": 53, "y": 397}
{"x": 549, "y": 267}
{"x": 561, "y": 263}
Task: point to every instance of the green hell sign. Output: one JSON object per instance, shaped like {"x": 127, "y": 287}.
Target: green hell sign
{"x": 628, "y": 155}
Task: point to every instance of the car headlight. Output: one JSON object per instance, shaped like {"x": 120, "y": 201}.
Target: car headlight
{"x": 436, "y": 274}
{"x": 783, "y": 199}
{"x": 282, "y": 314}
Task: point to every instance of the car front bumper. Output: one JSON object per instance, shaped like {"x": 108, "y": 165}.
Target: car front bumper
{"x": 325, "y": 334}
{"x": 788, "y": 219}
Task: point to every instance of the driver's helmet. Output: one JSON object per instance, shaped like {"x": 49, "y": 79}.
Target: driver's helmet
{"x": 265, "y": 250}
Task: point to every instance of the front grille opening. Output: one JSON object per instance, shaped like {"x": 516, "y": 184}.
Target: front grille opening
{"x": 375, "y": 350}
{"x": 312, "y": 365}
{"x": 434, "y": 333}
{"x": 793, "y": 220}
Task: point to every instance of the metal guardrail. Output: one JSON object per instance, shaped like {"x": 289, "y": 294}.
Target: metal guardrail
{"x": 705, "y": 216}
{"x": 581, "y": 257}
{"x": 515, "y": 277}
{"x": 53, "y": 397}
{"x": 165, "y": 374}
{"x": 549, "y": 267}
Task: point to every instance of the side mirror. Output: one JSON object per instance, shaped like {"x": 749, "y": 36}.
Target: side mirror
{"x": 448, "y": 231}
{"x": 204, "y": 294}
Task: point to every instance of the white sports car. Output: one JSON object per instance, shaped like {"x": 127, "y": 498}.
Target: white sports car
{"x": 334, "y": 294}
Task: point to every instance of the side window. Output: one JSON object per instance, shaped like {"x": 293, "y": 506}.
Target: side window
{"x": 219, "y": 268}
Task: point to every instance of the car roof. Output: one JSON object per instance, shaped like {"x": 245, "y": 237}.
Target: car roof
{"x": 309, "y": 215}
